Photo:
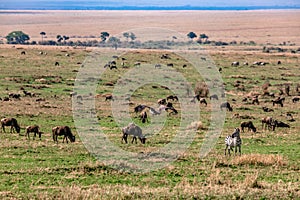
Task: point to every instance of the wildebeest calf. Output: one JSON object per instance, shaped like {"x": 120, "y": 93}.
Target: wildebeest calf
{"x": 33, "y": 129}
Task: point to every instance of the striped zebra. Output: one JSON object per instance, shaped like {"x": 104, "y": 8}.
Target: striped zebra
{"x": 233, "y": 140}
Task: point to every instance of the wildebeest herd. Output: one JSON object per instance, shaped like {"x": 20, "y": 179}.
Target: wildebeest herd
{"x": 56, "y": 131}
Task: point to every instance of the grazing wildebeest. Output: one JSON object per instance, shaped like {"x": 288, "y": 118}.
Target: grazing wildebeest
{"x": 214, "y": 96}
{"x": 135, "y": 131}
{"x": 295, "y": 99}
{"x": 139, "y": 108}
{"x": 23, "y": 52}
{"x": 248, "y": 125}
{"x": 33, "y": 129}
{"x": 56, "y": 63}
{"x": 172, "y": 97}
{"x": 279, "y": 101}
{"x": 233, "y": 140}
{"x": 109, "y": 97}
{"x": 265, "y": 109}
{"x": 170, "y": 65}
{"x": 184, "y": 66}
{"x": 15, "y": 96}
{"x": 28, "y": 93}
{"x": 165, "y": 56}
{"x": 227, "y": 106}
{"x": 12, "y": 122}
{"x": 62, "y": 130}
{"x": 236, "y": 63}
{"x": 157, "y": 66}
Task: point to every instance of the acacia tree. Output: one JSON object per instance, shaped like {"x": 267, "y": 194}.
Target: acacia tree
{"x": 17, "y": 37}
{"x": 191, "y": 35}
{"x": 42, "y": 34}
{"x": 104, "y": 36}
{"x": 132, "y": 36}
{"x": 59, "y": 38}
{"x": 126, "y": 35}
{"x": 114, "y": 41}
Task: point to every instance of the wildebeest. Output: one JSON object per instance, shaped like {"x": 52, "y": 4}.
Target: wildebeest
{"x": 203, "y": 101}
{"x": 12, "y": 122}
{"x": 144, "y": 116}
{"x": 172, "y": 97}
{"x": 139, "y": 108}
{"x": 295, "y": 99}
{"x": 62, "y": 130}
{"x": 281, "y": 124}
{"x": 135, "y": 131}
{"x": 214, "y": 96}
{"x": 227, "y": 106}
{"x": 109, "y": 97}
{"x": 23, "y": 52}
{"x": 33, "y": 129}
{"x": 56, "y": 63}
{"x": 236, "y": 63}
{"x": 265, "y": 109}
{"x": 15, "y": 96}
{"x": 279, "y": 101}
{"x": 268, "y": 122}
{"x": 248, "y": 125}
{"x": 170, "y": 65}
{"x": 157, "y": 66}
{"x": 255, "y": 100}
{"x": 165, "y": 56}
{"x": 161, "y": 101}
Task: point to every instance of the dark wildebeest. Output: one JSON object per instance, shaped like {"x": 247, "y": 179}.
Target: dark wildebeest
{"x": 295, "y": 99}
{"x": 278, "y": 101}
{"x": 172, "y": 97}
{"x": 203, "y": 101}
{"x": 170, "y": 65}
{"x": 281, "y": 124}
{"x": 109, "y": 97}
{"x": 227, "y": 106}
{"x": 248, "y": 125}
{"x": 265, "y": 109}
{"x": 255, "y": 100}
{"x": 161, "y": 101}
{"x": 135, "y": 131}
{"x": 235, "y": 63}
{"x": 144, "y": 116}
{"x": 139, "y": 108}
{"x": 12, "y": 122}
{"x": 62, "y": 130}
{"x": 23, "y": 52}
{"x": 33, "y": 129}
{"x": 214, "y": 96}
{"x": 56, "y": 63}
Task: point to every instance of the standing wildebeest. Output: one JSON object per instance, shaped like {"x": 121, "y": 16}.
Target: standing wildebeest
{"x": 227, "y": 106}
{"x": 56, "y": 63}
{"x": 33, "y": 129}
{"x": 135, "y": 131}
{"x": 268, "y": 122}
{"x": 233, "y": 140}
{"x": 62, "y": 130}
{"x": 249, "y": 125}
{"x": 12, "y": 122}
{"x": 144, "y": 116}
{"x": 109, "y": 97}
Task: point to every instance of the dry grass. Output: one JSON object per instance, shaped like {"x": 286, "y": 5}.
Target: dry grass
{"x": 260, "y": 159}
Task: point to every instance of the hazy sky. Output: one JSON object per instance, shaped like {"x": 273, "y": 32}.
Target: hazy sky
{"x": 203, "y": 3}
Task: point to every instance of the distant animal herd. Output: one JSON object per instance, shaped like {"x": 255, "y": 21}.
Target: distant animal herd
{"x": 166, "y": 104}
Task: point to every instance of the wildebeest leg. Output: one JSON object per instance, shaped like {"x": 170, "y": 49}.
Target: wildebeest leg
{"x": 134, "y": 138}
{"x": 125, "y": 138}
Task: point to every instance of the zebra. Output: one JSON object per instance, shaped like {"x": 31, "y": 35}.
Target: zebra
{"x": 233, "y": 140}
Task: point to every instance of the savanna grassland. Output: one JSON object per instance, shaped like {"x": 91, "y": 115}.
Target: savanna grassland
{"x": 42, "y": 169}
